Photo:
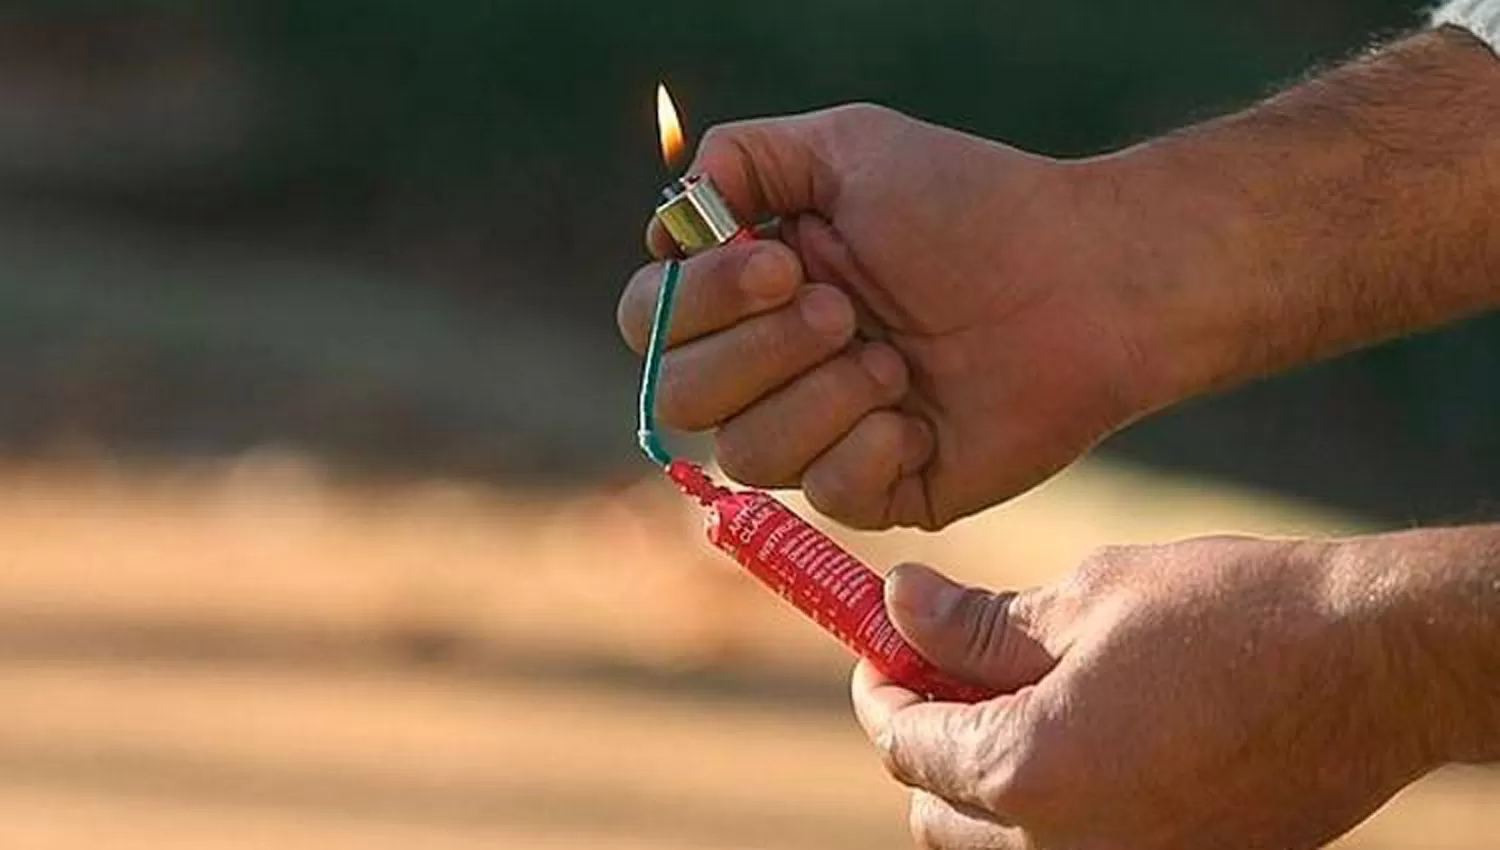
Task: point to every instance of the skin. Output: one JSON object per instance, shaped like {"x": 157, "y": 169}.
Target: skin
{"x": 923, "y": 418}
{"x": 1221, "y": 692}
{"x": 946, "y": 321}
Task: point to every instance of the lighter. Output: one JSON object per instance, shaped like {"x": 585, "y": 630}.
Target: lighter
{"x": 786, "y": 553}
{"x": 692, "y": 211}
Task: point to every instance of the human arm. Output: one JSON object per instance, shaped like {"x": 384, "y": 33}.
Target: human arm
{"x": 1013, "y": 309}
{"x": 1352, "y": 208}
{"x": 1221, "y": 692}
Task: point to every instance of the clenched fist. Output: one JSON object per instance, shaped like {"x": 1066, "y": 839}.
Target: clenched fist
{"x": 939, "y": 325}
{"x": 944, "y": 321}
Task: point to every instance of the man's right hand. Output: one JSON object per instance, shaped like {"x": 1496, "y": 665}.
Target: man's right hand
{"x": 1013, "y": 309}
{"x": 944, "y": 322}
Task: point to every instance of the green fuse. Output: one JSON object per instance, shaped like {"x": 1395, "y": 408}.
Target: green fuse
{"x": 650, "y": 440}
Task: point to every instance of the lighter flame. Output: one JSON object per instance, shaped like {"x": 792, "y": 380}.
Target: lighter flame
{"x": 668, "y": 126}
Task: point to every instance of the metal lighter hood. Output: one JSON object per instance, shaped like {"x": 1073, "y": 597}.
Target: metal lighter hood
{"x": 695, "y": 214}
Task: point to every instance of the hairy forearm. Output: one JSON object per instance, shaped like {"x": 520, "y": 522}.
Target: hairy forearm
{"x": 1433, "y": 600}
{"x": 1354, "y": 207}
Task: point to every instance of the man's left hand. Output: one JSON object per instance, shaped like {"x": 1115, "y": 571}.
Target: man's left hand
{"x": 1220, "y": 692}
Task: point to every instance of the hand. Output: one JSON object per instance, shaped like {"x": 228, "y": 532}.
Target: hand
{"x": 1014, "y": 309}
{"x": 945, "y": 322}
{"x": 1225, "y": 693}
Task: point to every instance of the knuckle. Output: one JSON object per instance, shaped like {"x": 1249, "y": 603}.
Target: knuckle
{"x": 854, "y": 124}
{"x": 922, "y": 821}
{"x": 832, "y": 491}
{"x": 746, "y": 459}
{"x": 730, "y": 140}
{"x": 1021, "y": 776}
{"x": 892, "y": 761}
{"x": 768, "y": 273}
{"x": 883, "y": 372}
{"x": 725, "y": 264}
{"x": 829, "y": 312}
{"x": 1031, "y": 613}
{"x": 719, "y": 135}
{"x": 842, "y": 390}
{"x": 986, "y": 616}
{"x": 863, "y": 110}
{"x": 851, "y": 481}
{"x": 724, "y": 131}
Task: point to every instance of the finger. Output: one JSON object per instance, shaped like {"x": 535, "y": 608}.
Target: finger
{"x": 937, "y": 824}
{"x": 986, "y": 638}
{"x": 773, "y": 166}
{"x": 783, "y": 166}
{"x": 827, "y": 256}
{"x": 718, "y": 289}
{"x": 858, "y": 480}
{"x": 763, "y": 168}
{"x": 659, "y": 243}
{"x": 963, "y": 753}
{"x": 877, "y": 698}
{"x": 708, "y": 380}
{"x": 779, "y": 166}
{"x": 773, "y": 441}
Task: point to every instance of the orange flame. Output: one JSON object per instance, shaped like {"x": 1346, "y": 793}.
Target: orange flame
{"x": 669, "y": 127}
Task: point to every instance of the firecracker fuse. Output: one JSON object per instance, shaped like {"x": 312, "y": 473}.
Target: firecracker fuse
{"x": 786, "y": 553}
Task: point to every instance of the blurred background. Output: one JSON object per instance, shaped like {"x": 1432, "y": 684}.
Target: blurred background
{"x": 321, "y": 523}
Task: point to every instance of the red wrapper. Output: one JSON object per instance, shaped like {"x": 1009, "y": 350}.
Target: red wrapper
{"x": 808, "y": 569}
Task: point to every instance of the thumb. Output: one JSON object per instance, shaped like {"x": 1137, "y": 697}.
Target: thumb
{"x": 769, "y": 167}
{"x": 976, "y": 635}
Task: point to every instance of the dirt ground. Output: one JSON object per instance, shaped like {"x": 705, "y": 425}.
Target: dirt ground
{"x": 248, "y": 656}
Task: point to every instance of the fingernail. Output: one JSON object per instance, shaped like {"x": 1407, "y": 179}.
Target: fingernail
{"x": 922, "y": 594}
{"x": 886, "y": 367}
{"x": 826, "y": 311}
{"x": 765, "y": 277}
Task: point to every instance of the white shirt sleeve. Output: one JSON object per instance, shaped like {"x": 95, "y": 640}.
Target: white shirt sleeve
{"x": 1480, "y": 17}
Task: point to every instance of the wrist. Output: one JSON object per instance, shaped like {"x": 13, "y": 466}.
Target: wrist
{"x": 1428, "y": 605}
{"x": 1183, "y": 267}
